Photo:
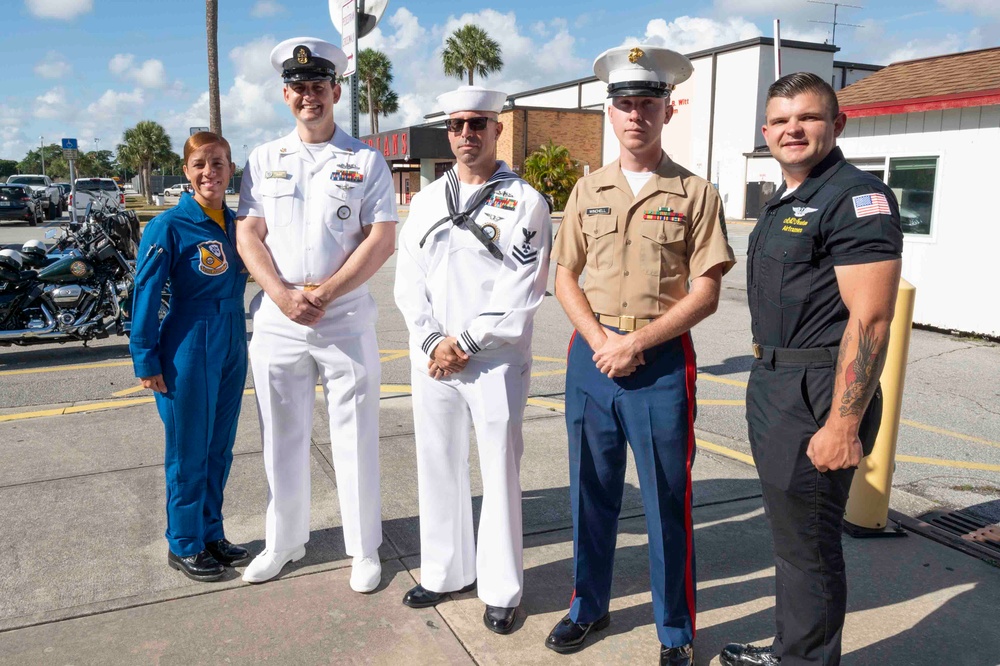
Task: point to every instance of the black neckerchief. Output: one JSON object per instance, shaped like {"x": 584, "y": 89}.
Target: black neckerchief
{"x": 466, "y": 218}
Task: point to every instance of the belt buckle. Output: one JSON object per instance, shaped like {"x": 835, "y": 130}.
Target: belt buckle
{"x": 309, "y": 287}
{"x": 626, "y": 323}
{"x": 758, "y": 351}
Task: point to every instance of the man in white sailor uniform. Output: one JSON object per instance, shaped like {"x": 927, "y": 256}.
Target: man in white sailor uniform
{"x": 317, "y": 217}
{"x": 470, "y": 273}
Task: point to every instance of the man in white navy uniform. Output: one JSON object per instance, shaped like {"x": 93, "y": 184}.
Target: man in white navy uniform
{"x": 317, "y": 217}
{"x": 470, "y": 273}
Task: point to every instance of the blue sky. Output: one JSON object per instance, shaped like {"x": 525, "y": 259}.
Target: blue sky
{"x": 91, "y": 68}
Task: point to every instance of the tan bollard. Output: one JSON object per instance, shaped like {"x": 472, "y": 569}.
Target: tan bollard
{"x": 868, "y": 504}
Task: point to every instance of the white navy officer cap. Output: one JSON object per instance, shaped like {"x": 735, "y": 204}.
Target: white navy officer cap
{"x": 472, "y": 98}
{"x": 642, "y": 71}
{"x": 308, "y": 59}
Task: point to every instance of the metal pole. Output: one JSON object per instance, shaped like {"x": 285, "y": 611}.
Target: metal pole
{"x": 72, "y": 191}
{"x": 868, "y": 505}
{"x": 354, "y": 77}
{"x": 41, "y": 151}
{"x": 777, "y": 49}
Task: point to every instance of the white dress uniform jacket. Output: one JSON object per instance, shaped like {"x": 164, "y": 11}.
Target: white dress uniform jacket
{"x": 453, "y": 286}
{"x": 315, "y": 202}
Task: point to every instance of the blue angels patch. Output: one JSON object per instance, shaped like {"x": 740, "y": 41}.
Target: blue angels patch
{"x": 524, "y": 253}
{"x": 211, "y": 258}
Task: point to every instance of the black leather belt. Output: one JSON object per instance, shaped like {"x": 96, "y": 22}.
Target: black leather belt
{"x": 789, "y": 355}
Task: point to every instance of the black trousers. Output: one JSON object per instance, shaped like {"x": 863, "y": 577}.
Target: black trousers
{"x": 786, "y": 405}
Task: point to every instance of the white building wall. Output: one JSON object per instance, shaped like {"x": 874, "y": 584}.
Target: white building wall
{"x": 954, "y": 266}
{"x": 561, "y": 98}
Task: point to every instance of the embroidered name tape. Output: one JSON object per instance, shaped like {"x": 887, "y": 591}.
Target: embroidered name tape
{"x": 599, "y": 211}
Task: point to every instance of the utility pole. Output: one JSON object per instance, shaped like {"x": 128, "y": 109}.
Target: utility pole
{"x": 41, "y": 151}
{"x": 834, "y": 22}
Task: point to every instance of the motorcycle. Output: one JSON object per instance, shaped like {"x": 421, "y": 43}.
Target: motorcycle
{"x": 80, "y": 290}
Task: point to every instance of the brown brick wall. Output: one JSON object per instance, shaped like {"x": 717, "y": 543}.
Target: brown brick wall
{"x": 510, "y": 145}
{"x": 526, "y": 129}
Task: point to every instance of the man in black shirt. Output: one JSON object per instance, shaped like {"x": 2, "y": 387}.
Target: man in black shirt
{"x": 824, "y": 267}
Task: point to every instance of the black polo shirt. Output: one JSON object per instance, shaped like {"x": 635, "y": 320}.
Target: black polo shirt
{"x": 838, "y": 216}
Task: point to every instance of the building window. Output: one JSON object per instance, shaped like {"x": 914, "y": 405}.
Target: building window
{"x": 912, "y": 181}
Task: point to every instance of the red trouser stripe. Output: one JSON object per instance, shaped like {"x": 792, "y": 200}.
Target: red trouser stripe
{"x": 568, "y": 348}
{"x": 690, "y": 374}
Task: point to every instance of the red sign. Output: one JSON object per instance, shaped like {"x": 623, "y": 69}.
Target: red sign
{"x": 391, "y": 144}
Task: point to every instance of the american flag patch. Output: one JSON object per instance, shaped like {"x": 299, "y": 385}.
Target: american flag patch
{"x": 871, "y": 204}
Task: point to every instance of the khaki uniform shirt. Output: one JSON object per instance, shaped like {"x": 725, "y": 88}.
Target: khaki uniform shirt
{"x": 641, "y": 251}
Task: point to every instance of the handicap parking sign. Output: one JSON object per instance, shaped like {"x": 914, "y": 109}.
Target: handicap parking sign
{"x": 69, "y": 144}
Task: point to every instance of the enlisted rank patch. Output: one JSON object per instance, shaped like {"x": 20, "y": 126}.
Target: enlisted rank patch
{"x": 283, "y": 175}
{"x": 212, "y": 259}
{"x": 502, "y": 200}
{"x": 492, "y": 231}
{"x": 599, "y": 211}
{"x": 663, "y": 214}
{"x": 524, "y": 253}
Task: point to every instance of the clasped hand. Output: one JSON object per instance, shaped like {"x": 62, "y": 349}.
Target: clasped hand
{"x": 302, "y": 307}
{"x": 447, "y": 358}
{"x": 619, "y": 356}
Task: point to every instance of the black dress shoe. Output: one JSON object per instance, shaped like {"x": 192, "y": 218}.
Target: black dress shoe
{"x": 736, "y": 654}
{"x": 201, "y": 567}
{"x": 676, "y": 656}
{"x": 421, "y": 597}
{"x": 227, "y": 554}
{"x": 499, "y": 620}
{"x": 568, "y": 636}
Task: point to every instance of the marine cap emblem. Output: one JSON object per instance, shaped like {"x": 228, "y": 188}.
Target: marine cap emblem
{"x": 635, "y": 54}
{"x": 302, "y": 54}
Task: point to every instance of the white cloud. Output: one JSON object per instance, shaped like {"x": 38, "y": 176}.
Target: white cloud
{"x": 149, "y": 74}
{"x": 689, "y": 33}
{"x": 989, "y": 8}
{"x": 59, "y": 9}
{"x": 407, "y": 33}
{"x": 53, "y": 66}
{"x": 113, "y": 103}
{"x": 253, "y": 61}
{"x": 266, "y": 8}
{"x": 52, "y": 105}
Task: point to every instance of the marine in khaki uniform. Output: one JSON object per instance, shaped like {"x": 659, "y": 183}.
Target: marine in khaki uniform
{"x": 650, "y": 237}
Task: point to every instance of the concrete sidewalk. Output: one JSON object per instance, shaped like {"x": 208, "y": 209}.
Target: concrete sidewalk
{"x": 85, "y": 579}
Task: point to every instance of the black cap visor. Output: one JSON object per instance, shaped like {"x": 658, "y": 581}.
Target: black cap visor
{"x": 317, "y": 69}
{"x": 639, "y": 89}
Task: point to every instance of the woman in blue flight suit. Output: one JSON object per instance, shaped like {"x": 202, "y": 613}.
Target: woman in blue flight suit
{"x": 195, "y": 360}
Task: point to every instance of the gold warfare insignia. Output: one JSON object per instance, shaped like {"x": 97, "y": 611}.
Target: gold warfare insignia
{"x": 212, "y": 260}
{"x": 492, "y": 231}
{"x": 635, "y": 54}
{"x": 302, "y": 55}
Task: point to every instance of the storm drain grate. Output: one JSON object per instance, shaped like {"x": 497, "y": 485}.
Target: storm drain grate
{"x": 959, "y": 529}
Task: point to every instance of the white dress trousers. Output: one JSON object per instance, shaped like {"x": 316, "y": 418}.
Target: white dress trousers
{"x": 490, "y": 398}
{"x": 287, "y": 359}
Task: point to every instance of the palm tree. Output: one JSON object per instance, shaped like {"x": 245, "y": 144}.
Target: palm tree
{"x": 552, "y": 171}
{"x": 469, "y": 49}
{"x": 375, "y": 72}
{"x": 144, "y": 145}
{"x": 212, "y": 27}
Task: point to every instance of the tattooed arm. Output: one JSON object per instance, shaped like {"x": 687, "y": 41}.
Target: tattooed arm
{"x": 869, "y": 291}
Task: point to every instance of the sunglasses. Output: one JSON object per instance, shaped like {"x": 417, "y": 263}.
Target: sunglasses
{"x": 477, "y": 124}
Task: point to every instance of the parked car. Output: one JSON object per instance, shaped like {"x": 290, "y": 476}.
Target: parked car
{"x": 176, "y": 190}
{"x": 105, "y": 189}
{"x": 21, "y": 203}
{"x": 66, "y": 189}
{"x": 42, "y": 184}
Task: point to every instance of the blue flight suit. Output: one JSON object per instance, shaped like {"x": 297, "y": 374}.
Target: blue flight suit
{"x": 200, "y": 349}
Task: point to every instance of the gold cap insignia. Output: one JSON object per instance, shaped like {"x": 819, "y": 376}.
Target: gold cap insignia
{"x": 302, "y": 55}
{"x": 635, "y": 54}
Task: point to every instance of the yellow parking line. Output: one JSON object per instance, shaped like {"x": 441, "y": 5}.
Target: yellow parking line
{"x": 721, "y": 380}
{"x": 948, "y": 433}
{"x": 128, "y": 391}
{"x": 729, "y": 403}
{"x": 550, "y": 404}
{"x": 397, "y": 388}
{"x": 725, "y": 451}
{"x": 549, "y": 359}
{"x": 392, "y": 354}
{"x": 60, "y": 368}
{"x": 960, "y": 464}
{"x": 548, "y": 373}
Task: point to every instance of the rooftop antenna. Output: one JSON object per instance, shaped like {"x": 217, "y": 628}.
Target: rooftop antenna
{"x": 834, "y": 22}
